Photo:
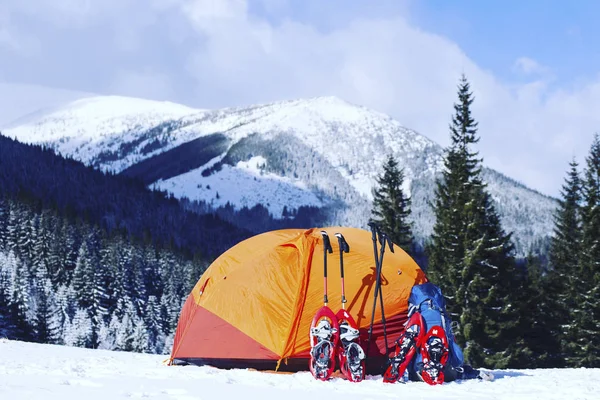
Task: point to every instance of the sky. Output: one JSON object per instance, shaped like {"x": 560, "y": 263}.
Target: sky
{"x": 534, "y": 67}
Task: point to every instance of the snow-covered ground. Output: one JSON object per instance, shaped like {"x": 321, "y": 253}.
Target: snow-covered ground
{"x": 34, "y": 371}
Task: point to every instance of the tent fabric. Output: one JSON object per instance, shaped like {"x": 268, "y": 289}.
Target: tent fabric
{"x": 255, "y": 303}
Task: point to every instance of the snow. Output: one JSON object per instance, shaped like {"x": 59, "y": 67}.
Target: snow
{"x": 36, "y": 371}
{"x": 345, "y": 134}
{"x": 78, "y": 128}
{"x": 350, "y": 143}
{"x": 243, "y": 185}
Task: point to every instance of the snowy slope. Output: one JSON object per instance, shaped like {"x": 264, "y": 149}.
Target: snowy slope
{"x": 259, "y": 187}
{"x": 321, "y": 151}
{"x": 82, "y": 128}
{"x": 34, "y": 371}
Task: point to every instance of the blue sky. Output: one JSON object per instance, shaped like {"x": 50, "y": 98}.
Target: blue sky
{"x": 534, "y": 65}
{"x": 558, "y": 34}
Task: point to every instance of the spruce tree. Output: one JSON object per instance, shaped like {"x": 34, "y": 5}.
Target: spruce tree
{"x": 83, "y": 278}
{"x": 537, "y": 311}
{"x": 391, "y": 207}
{"x": 563, "y": 277}
{"x": 6, "y": 326}
{"x": 3, "y": 222}
{"x": 471, "y": 257}
{"x": 46, "y": 321}
{"x": 585, "y": 328}
{"x": 79, "y": 332}
{"x": 447, "y": 245}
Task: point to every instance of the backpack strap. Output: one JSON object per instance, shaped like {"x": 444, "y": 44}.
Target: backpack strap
{"x": 412, "y": 309}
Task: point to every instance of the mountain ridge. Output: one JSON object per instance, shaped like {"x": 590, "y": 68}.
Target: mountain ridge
{"x": 321, "y": 151}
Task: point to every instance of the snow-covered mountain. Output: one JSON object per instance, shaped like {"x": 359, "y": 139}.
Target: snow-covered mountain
{"x": 37, "y": 371}
{"x": 322, "y": 152}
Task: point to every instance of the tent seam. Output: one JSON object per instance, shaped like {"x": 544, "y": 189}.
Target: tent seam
{"x": 301, "y": 296}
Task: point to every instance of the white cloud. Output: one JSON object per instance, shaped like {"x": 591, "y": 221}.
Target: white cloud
{"x": 529, "y": 66}
{"x": 145, "y": 83}
{"x": 11, "y": 38}
{"x": 212, "y": 53}
{"x": 528, "y": 130}
{"x": 17, "y": 99}
{"x": 202, "y": 11}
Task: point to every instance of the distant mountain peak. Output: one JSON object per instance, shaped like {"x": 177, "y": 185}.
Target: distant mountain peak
{"x": 321, "y": 151}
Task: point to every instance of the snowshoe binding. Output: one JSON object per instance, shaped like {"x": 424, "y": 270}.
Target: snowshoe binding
{"x": 324, "y": 340}
{"x": 406, "y": 348}
{"x": 434, "y": 352}
{"x": 350, "y": 353}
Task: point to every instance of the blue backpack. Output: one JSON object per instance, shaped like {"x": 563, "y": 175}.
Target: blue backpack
{"x": 427, "y": 299}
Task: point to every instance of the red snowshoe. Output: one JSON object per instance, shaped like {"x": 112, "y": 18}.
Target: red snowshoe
{"x": 406, "y": 348}
{"x": 434, "y": 351}
{"x": 324, "y": 339}
{"x": 351, "y": 356}
{"x": 324, "y": 329}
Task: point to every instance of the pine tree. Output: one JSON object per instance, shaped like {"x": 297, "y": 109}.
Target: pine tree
{"x": 566, "y": 242}
{"x": 563, "y": 276}
{"x": 585, "y": 328}
{"x": 152, "y": 324}
{"x": 15, "y": 220}
{"x": 79, "y": 332}
{"x": 3, "y": 222}
{"x": 46, "y": 321}
{"x": 66, "y": 304}
{"x": 83, "y": 277}
{"x": 126, "y": 334}
{"x": 139, "y": 338}
{"x": 471, "y": 257}
{"x": 133, "y": 280}
{"x": 391, "y": 207}
{"x": 106, "y": 334}
{"x": 41, "y": 242}
{"x": 535, "y": 345}
{"x": 19, "y": 300}
{"x": 6, "y": 326}
{"x": 447, "y": 245}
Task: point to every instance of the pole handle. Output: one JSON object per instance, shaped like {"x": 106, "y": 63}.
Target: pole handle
{"x": 326, "y": 242}
{"x": 326, "y": 248}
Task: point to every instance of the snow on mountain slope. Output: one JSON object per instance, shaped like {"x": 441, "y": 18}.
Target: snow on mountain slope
{"x": 85, "y": 124}
{"x": 36, "y": 371}
{"x": 321, "y": 151}
{"x": 258, "y": 188}
{"x": 348, "y": 136}
{"x": 354, "y": 140}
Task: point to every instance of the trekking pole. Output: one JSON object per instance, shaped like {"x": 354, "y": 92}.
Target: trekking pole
{"x": 383, "y": 239}
{"x": 374, "y": 230}
{"x": 344, "y": 248}
{"x": 326, "y": 248}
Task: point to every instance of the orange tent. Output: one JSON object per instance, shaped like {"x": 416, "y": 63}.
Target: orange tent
{"x": 253, "y": 306}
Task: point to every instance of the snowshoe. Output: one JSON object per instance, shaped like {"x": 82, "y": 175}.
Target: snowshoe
{"x": 324, "y": 338}
{"x": 434, "y": 352}
{"x": 350, "y": 353}
{"x": 406, "y": 348}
